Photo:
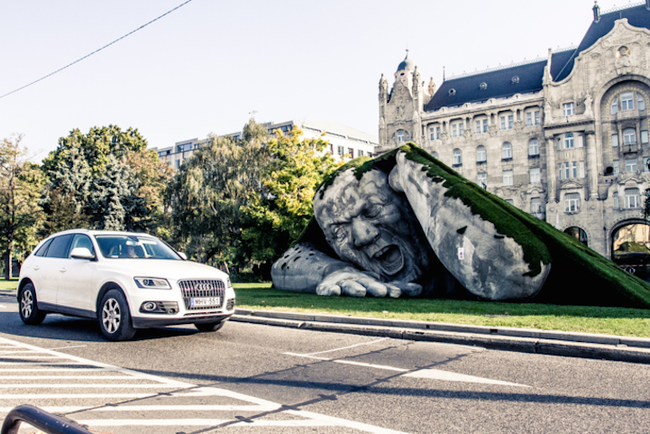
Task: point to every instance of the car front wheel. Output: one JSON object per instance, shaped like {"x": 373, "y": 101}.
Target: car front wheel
{"x": 29, "y": 312}
{"x": 114, "y": 317}
{"x": 209, "y": 327}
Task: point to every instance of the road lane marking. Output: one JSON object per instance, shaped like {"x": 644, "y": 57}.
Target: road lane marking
{"x": 108, "y": 402}
{"x": 349, "y": 362}
{"x": 127, "y": 408}
{"x": 433, "y": 374}
{"x": 437, "y": 374}
{"x": 65, "y": 348}
{"x": 346, "y": 348}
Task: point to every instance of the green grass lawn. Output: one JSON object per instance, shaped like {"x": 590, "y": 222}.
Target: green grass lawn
{"x": 9, "y": 284}
{"x": 588, "y": 319}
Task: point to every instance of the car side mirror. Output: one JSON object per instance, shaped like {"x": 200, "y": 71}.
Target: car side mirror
{"x": 82, "y": 253}
{"x": 182, "y": 255}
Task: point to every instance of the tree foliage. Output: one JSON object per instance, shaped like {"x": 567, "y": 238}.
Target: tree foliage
{"x": 106, "y": 179}
{"x": 281, "y": 211}
{"x": 20, "y": 183}
{"x": 209, "y": 190}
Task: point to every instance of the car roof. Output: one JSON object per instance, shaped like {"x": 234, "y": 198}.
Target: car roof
{"x": 98, "y": 232}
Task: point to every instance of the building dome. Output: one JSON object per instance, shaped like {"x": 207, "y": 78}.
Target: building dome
{"x": 406, "y": 64}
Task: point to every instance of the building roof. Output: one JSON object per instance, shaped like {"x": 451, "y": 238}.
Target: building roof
{"x": 637, "y": 16}
{"x": 501, "y": 82}
{"x": 406, "y": 64}
{"x": 335, "y": 128}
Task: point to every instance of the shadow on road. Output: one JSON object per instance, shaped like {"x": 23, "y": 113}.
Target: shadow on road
{"x": 68, "y": 328}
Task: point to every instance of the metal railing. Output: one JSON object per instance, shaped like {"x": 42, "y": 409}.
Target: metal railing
{"x": 40, "y": 419}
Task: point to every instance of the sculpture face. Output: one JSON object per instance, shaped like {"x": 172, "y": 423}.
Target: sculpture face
{"x": 369, "y": 225}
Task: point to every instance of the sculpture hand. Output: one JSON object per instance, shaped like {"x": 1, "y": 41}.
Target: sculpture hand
{"x": 352, "y": 282}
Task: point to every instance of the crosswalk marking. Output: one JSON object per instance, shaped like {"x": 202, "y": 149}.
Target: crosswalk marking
{"x": 112, "y": 386}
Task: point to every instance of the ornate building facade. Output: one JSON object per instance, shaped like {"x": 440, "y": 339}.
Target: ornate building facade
{"x": 564, "y": 138}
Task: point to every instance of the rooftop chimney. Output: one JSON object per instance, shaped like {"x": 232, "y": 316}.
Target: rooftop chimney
{"x": 597, "y": 11}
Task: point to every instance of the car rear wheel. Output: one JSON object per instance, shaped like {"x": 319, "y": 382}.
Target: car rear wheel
{"x": 29, "y": 312}
{"x": 114, "y": 317}
{"x": 209, "y": 327}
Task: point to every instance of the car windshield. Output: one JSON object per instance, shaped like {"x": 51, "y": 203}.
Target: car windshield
{"x": 134, "y": 247}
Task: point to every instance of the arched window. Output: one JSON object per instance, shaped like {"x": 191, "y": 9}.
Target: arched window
{"x": 402, "y": 136}
{"x": 631, "y": 248}
{"x": 506, "y": 151}
{"x": 481, "y": 154}
{"x": 640, "y": 101}
{"x": 629, "y": 136}
{"x": 569, "y": 141}
{"x": 458, "y": 157}
{"x": 533, "y": 147}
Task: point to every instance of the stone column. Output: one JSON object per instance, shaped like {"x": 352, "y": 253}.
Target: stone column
{"x": 551, "y": 169}
{"x": 592, "y": 165}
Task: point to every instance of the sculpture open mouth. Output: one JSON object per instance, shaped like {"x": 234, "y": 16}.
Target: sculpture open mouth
{"x": 390, "y": 259}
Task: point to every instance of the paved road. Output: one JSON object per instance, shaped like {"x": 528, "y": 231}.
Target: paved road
{"x": 251, "y": 378}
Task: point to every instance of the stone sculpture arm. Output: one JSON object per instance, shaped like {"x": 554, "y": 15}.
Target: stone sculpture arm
{"x": 303, "y": 268}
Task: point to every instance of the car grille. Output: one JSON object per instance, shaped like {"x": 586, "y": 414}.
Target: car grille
{"x": 202, "y": 289}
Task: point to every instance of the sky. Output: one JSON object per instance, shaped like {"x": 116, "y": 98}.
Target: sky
{"x": 209, "y": 66}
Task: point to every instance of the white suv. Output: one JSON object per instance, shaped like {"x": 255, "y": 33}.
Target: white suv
{"x": 124, "y": 280}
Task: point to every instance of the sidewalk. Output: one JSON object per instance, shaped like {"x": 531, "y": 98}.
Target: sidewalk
{"x": 593, "y": 346}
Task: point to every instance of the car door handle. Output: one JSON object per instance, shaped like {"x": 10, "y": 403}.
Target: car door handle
{"x": 36, "y": 268}
{"x": 63, "y": 270}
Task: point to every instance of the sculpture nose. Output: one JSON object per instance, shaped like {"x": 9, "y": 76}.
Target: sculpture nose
{"x": 363, "y": 232}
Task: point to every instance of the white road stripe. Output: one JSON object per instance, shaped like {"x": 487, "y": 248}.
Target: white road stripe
{"x": 87, "y": 386}
{"x": 349, "y": 362}
{"x": 187, "y": 408}
{"x": 66, "y": 377}
{"x": 32, "y": 396}
{"x": 141, "y": 375}
{"x": 55, "y": 369}
{"x": 343, "y": 422}
{"x": 436, "y": 374}
{"x": 186, "y": 390}
{"x": 65, "y": 348}
{"x": 433, "y": 374}
{"x": 346, "y": 348}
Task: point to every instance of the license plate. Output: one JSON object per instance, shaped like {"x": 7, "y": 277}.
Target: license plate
{"x": 207, "y": 301}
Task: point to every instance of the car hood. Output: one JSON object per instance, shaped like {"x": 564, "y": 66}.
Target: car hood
{"x": 169, "y": 269}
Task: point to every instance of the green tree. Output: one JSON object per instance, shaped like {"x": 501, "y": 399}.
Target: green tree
{"x": 280, "y": 212}
{"x": 96, "y": 146}
{"x": 209, "y": 190}
{"x": 104, "y": 179}
{"x": 20, "y": 183}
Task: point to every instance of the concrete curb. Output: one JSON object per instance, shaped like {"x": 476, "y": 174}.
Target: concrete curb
{"x": 585, "y": 345}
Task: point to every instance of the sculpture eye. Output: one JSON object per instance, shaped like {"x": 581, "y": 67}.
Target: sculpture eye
{"x": 372, "y": 211}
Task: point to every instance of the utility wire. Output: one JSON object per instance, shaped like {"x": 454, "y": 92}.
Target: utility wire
{"x": 96, "y": 51}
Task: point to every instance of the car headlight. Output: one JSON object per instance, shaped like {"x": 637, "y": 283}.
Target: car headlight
{"x": 152, "y": 283}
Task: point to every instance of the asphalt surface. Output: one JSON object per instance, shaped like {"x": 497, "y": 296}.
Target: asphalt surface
{"x": 559, "y": 343}
{"x": 585, "y": 345}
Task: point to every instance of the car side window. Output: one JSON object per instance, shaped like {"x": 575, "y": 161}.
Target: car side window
{"x": 59, "y": 247}
{"x": 82, "y": 241}
{"x": 43, "y": 249}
